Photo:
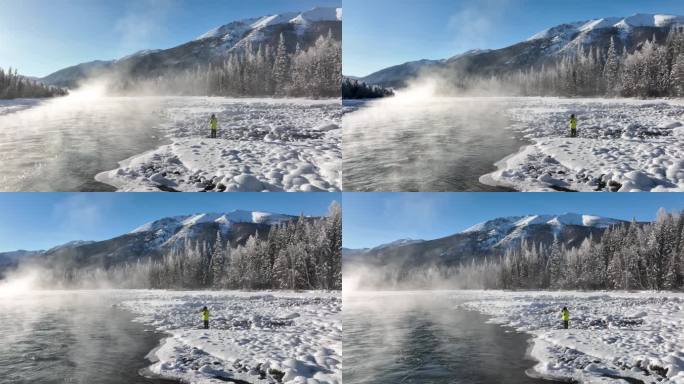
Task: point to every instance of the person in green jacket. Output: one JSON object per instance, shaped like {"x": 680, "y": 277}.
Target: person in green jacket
{"x": 205, "y": 317}
{"x": 573, "y": 126}
{"x": 565, "y": 314}
{"x": 213, "y": 122}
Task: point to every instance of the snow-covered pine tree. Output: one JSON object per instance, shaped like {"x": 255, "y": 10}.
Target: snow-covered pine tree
{"x": 677, "y": 76}
{"x": 218, "y": 262}
{"x": 611, "y": 69}
{"x": 555, "y": 265}
{"x": 281, "y": 68}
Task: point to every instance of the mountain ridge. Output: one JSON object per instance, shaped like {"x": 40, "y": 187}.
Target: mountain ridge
{"x": 154, "y": 238}
{"x": 302, "y": 28}
{"x": 545, "y": 46}
{"x": 487, "y": 238}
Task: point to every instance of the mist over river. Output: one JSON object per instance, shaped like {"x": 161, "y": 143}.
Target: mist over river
{"x": 423, "y": 337}
{"x": 73, "y": 337}
{"x": 444, "y": 144}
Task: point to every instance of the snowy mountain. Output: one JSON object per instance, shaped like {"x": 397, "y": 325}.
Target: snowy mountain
{"x": 301, "y": 28}
{"x": 396, "y": 75}
{"x": 68, "y": 77}
{"x": 545, "y": 46}
{"x": 153, "y": 239}
{"x": 485, "y": 239}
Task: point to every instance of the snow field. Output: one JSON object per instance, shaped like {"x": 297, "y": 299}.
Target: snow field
{"x": 263, "y": 145}
{"x": 255, "y": 337}
{"x": 612, "y": 335}
{"x": 623, "y": 145}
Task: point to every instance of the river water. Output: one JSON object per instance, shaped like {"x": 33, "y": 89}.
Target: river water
{"x": 433, "y": 145}
{"x": 61, "y": 144}
{"x": 424, "y": 338}
{"x": 72, "y": 337}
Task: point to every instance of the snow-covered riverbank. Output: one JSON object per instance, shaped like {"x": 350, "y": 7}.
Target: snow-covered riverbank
{"x": 16, "y": 105}
{"x": 262, "y": 145}
{"x": 623, "y": 144}
{"x": 255, "y": 337}
{"x": 638, "y": 335}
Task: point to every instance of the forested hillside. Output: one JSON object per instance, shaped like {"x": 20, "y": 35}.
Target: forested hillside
{"x": 299, "y": 254}
{"x": 655, "y": 69}
{"x": 355, "y": 89}
{"x": 15, "y": 86}
{"x": 628, "y": 256}
{"x": 261, "y": 70}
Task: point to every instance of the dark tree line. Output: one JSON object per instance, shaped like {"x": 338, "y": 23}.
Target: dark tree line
{"x": 262, "y": 70}
{"x": 302, "y": 254}
{"x": 630, "y": 256}
{"x": 15, "y": 86}
{"x": 653, "y": 69}
{"x": 355, "y": 89}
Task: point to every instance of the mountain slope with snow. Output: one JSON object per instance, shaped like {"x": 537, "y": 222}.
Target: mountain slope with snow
{"x": 301, "y": 28}
{"x": 224, "y": 220}
{"x": 484, "y": 239}
{"x": 543, "y": 47}
{"x": 153, "y": 239}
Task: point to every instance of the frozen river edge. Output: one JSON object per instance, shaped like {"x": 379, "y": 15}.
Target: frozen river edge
{"x": 613, "y": 335}
{"x": 625, "y": 145}
{"x": 262, "y": 145}
{"x": 254, "y": 337}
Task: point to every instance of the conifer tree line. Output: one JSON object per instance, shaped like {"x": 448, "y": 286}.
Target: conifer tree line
{"x": 630, "y": 256}
{"x": 355, "y": 89}
{"x": 302, "y": 254}
{"x": 262, "y": 70}
{"x": 654, "y": 69}
{"x": 14, "y": 86}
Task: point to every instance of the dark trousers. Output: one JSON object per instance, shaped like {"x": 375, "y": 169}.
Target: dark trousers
{"x": 566, "y": 323}
{"x": 573, "y": 132}
{"x": 213, "y": 133}
{"x": 206, "y": 324}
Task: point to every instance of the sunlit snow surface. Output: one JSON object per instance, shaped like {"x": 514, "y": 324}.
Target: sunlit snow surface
{"x": 263, "y": 145}
{"x": 623, "y": 144}
{"x": 253, "y": 336}
{"x": 625, "y": 334}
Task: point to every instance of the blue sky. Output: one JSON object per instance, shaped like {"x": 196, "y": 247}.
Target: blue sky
{"x": 382, "y": 33}
{"x": 42, "y": 220}
{"x": 371, "y": 219}
{"x": 42, "y": 36}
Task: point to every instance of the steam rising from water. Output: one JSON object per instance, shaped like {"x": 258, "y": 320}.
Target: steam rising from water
{"x": 30, "y": 277}
{"x": 420, "y": 140}
{"x": 358, "y": 277}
